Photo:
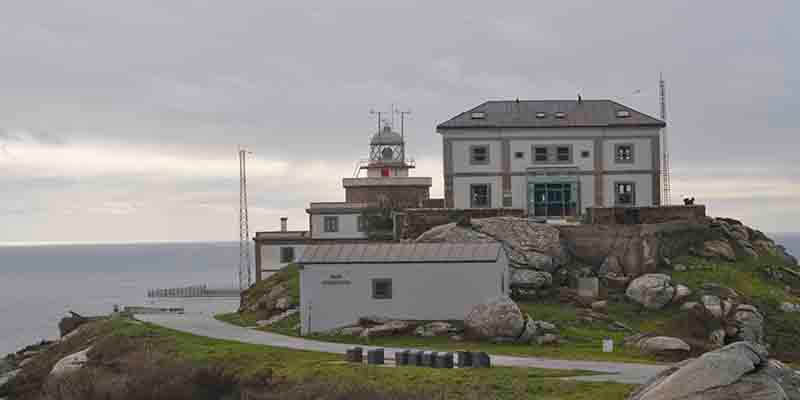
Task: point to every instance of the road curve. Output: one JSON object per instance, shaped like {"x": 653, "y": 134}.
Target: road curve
{"x": 205, "y": 325}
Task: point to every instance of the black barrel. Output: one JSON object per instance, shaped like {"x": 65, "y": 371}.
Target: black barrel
{"x": 415, "y": 358}
{"x": 375, "y": 357}
{"x": 481, "y": 360}
{"x": 355, "y": 354}
{"x": 401, "y": 357}
{"x": 444, "y": 360}
{"x": 463, "y": 359}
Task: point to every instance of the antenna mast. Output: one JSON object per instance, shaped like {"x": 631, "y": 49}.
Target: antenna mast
{"x": 244, "y": 229}
{"x": 666, "y": 195}
{"x": 402, "y": 129}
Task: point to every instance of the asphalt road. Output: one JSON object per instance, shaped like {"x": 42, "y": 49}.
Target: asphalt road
{"x": 205, "y": 325}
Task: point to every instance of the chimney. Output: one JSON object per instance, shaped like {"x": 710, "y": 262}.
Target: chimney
{"x": 283, "y": 224}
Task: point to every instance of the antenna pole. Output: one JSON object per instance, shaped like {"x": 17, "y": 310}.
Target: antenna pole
{"x": 244, "y": 229}
{"x": 665, "y": 167}
{"x": 402, "y": 130}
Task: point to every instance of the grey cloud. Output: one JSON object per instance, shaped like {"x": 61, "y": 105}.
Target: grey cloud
{"x": 294, "y": 82}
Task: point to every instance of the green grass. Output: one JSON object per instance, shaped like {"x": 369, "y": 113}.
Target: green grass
{"x": 584, "y": 339}
{"x": 257, "y": 363}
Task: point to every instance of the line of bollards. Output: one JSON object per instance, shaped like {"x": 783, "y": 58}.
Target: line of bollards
{"x": 432, "y": 359}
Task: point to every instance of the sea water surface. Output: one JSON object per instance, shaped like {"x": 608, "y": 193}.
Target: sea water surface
{"x": 39, "y": 284}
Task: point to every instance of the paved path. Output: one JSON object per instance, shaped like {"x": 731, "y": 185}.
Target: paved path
{"x": 204, "y": 325}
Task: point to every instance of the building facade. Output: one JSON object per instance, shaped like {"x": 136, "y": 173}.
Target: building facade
{"x": 339, "y": 283}
{"x": 553, "y": 158}
{"x": 387, "y": 185}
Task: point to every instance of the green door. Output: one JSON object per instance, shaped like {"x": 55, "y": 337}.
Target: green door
{"x": 553, "y": 197}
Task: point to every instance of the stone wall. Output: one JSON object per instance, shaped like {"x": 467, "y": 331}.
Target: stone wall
{"x": 412, "y": 222}
{"x": 644, "y": 215}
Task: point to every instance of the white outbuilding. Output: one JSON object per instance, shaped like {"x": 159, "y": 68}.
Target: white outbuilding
{"x": 339, "y": 283}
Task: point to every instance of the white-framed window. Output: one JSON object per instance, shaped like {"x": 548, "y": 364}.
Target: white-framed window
{"x": 552, "y": 154}
{"x": 480, "y": 195}
{"x": 625, "y": 193}
{"x": 479, "y": 154}
{"x": 623, "y": 153}
{"x": 330, "y": 223}
{"x": 287, "y": 254}
{"x": 382, "y": 288}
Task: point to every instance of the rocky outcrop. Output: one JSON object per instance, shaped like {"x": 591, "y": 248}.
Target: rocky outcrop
{"x": 785, "y": 256}
{"x": 437, "y": 328}
{"x": 738, "y": 371}
{"x": 790, "y": 307}
{"x": 719, "y": 249}
{"x": 388, "y": 329}
{"x": 70, "y": 363}
{"x": 653, "y": 291}
{"x": 529, "y": 245}
{"x": 498, "y": 317}
{"x": 749, "y": 323}
{"x": 663, "y": 344}
{"x": 530, "y": 279}
{"x": 277, "y": 318}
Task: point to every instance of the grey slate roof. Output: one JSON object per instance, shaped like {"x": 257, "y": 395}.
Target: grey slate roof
{"x": 369, "y": 253}
{"x": 522, "y": 114}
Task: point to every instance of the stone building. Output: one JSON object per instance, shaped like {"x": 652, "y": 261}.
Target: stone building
{"x": 552, "y": 158}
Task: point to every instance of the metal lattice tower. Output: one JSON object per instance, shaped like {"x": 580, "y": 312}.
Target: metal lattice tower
{"x": 244, "y": 228}
{"x": 666, "y": 195}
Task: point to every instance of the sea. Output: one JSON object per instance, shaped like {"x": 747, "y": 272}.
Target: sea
{"x": 39, "y": 284}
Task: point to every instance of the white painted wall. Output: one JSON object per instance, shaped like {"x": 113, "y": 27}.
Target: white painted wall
{"x": 348, "y": 227}
{"x": 642, "y": 155}
{"x": 271, "y": 256}
{"x": 461, "y": 190}
{"x": 461, "y": 156}
{"x": 644, "y": 188}
{"x": 587, "y": 191}
{"x": 438, "y": 291}
{"x": 526, "y": 147}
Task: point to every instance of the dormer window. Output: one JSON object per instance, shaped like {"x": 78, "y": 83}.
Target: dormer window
{"x": 541, "y": 115}
{"x": 623, "y": 114}
{"x": 478, "y": 115}
{"x": 560, "y": 115}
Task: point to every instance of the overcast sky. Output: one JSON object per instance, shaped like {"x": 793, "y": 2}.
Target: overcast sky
{"x": 120, "y": 120}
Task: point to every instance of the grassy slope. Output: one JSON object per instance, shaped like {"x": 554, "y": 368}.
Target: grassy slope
{"x": 251, "y": 362}
{"x": 584, "y": 338}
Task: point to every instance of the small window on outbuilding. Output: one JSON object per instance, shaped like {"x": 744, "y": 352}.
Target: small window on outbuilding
{"x": 287, "y": 254}
{"x": 480, "y": 195}
{"x": 382, "y": 288}
{"x": 623, "y": 153}
{"x": 331, "y": 224}
{"x": 625, "y": 193}
{"x": 479, "y": 154}
{"x": 361, "y": 224}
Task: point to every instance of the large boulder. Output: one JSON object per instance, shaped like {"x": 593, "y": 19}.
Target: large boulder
{"x": 750, "y": 323}
{"x": 653, "y": 291}
{"x": 531, "y": 279}
{"x": 659, "y": 344}
{"x": 785, "y": 255}
{"x": 388, "y": 329}
{"x": 713, "y": 304}
{"x": 718, "y": 249}
{"x": 527, "y": 244}
{"x": 732, "y": 372}
{"x": 70, "y": 363}
{"x": 498, "y": 317}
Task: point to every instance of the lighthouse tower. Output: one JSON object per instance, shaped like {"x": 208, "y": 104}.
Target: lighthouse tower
{"x": 387, "y": 181}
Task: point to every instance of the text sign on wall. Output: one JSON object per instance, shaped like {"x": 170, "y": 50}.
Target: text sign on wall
{"x": 336, "y": 279}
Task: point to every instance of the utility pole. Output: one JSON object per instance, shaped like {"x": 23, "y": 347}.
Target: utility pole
{"x": 244, "y": 229}
{"x": 666, "y": 195}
